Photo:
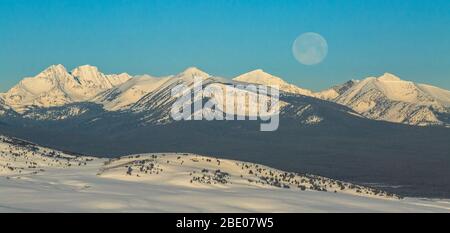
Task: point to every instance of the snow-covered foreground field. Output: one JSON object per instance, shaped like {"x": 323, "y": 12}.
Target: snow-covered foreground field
{"x": 37, "y": 179}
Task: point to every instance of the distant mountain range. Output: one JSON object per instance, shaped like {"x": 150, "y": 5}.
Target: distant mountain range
{"x": 55, "y": 86}
{"x": 391, "y": 99}
{"x": 386, "y": 98}
{"x": 349, "y": 132}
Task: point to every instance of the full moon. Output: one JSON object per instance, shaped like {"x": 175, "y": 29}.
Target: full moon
{"x": 310, "y": 48}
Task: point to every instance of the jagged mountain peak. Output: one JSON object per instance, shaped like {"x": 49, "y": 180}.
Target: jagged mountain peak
{"x": 259, "y": 72}
{"x": 84, "y": 69}
{"x": 53, "y": 71}
{"x": 388, "y": 77}
{"x": 55, "y": 68}
{"x": 194, "y": 71}
{"x": 261, "y": 77}
{"x": 93, "y": 72}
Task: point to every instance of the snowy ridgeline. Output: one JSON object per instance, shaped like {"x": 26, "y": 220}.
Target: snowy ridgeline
{"x": 200, "y": 171}
{"x": 35, "y": 179}
{"x": 21, "y": 157}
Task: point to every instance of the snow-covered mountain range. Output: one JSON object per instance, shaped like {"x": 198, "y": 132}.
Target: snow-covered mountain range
{"x": 40, "y": 179}
{"x": 391, "y": 99}
{"x": 386, "y": 98}
{"x": 55, "y": 86}
{"x": 56, "y": 94}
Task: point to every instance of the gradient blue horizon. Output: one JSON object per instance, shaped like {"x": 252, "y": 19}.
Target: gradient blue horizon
{"x": 366, "y": 38}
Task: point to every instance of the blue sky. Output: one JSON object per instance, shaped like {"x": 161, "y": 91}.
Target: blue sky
{"x": 410, "y": 38}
